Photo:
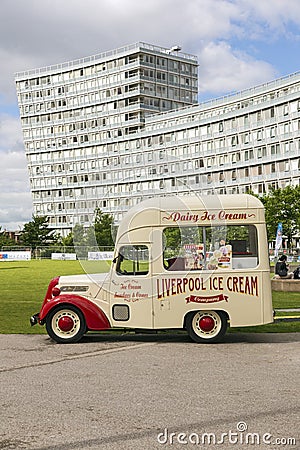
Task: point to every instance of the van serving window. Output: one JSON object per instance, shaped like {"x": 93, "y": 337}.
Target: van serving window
{"x": 214, "y": 247}
{"x": 133, "y": 260}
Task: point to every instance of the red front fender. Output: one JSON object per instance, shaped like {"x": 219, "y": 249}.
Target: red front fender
{"x": 94, "y": 316}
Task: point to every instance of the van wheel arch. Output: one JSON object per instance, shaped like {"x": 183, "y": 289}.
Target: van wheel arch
{"x": 65, "y": 323}
{"x": 206, "y": 326}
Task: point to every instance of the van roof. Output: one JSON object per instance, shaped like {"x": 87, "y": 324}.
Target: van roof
{"x": 196, "y": 202}
{"x": 154, "y": 211}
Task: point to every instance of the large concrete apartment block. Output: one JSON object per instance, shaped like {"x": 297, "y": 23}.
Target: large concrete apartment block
{"x": 112, "y": 129}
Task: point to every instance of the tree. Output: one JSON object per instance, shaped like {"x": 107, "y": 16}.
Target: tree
{"x": 104, "y": 229}
{"x": 5, "y": 240}
{"x": 283, "y": 205}
{"x": 67, "y": 241}
{"x": 98, "y": 235}
{"x": 79, "y": 241}
{"x": 36, "y": 233}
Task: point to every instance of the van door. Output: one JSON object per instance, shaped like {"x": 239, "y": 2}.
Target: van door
{"x": 131, "y": 288}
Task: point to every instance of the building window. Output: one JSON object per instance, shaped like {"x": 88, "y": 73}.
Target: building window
{"x": 286, "y": 128}
{"x": 261, "y": 151}
{"x": 234, "y": 141}
{"x": 251, "y": 153}
{"x": 199, "y": 163}
{"x": 275, "y": 149}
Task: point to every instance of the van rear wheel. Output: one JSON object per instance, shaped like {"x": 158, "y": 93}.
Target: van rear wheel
{"x": 206, "y": 326}
{"x": 65, "y": 324}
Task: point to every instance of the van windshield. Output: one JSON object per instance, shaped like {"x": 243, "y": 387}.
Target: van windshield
{"x": 210, "y": 247}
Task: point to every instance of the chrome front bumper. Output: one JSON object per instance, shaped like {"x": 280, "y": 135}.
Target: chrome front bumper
{"x": 34, "y": 319}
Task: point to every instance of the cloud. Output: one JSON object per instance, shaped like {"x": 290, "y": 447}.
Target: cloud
{"x": 224, "y": 34}
{"x": 277, "y": 14}
{"x": 236, "y": 70}
{"x": 35, "y": 33}
{"x": 15, "y": 210}
{"x": 14, "y": 62}
{"x": 10, "y": 134}
{"x": 15, "y": 197}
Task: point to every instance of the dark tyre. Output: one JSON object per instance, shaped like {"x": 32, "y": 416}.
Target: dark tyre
{"x": 65, "y": 324}
{"x": 206, "y": 326}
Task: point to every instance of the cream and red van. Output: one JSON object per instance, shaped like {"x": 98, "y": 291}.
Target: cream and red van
{"x": 189, "y": 262}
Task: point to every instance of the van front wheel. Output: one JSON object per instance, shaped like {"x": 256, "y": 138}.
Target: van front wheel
{"x": 65, "y": 324}
{"x": 206, "y": 326}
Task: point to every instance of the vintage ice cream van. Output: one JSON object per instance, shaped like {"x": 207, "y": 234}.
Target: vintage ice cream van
{"x": 190, "y": 262}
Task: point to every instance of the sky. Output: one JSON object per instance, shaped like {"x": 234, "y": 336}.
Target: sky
{"x": 239, "y": 44}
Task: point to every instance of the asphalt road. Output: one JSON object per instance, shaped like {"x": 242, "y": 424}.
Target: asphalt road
{"x": 148, "y": 392}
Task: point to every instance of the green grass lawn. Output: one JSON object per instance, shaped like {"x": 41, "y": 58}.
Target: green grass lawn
{"x": 23, "y": 288}
{"x": 24, "y": 284}
{"x": 283, "y": 300}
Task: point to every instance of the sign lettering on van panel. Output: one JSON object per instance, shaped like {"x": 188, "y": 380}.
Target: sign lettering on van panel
{"x": 205, "y": 216}
{"x": 244, "y": 284}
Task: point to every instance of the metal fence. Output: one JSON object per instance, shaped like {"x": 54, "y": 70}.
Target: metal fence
{"x": 47, "y": 252}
